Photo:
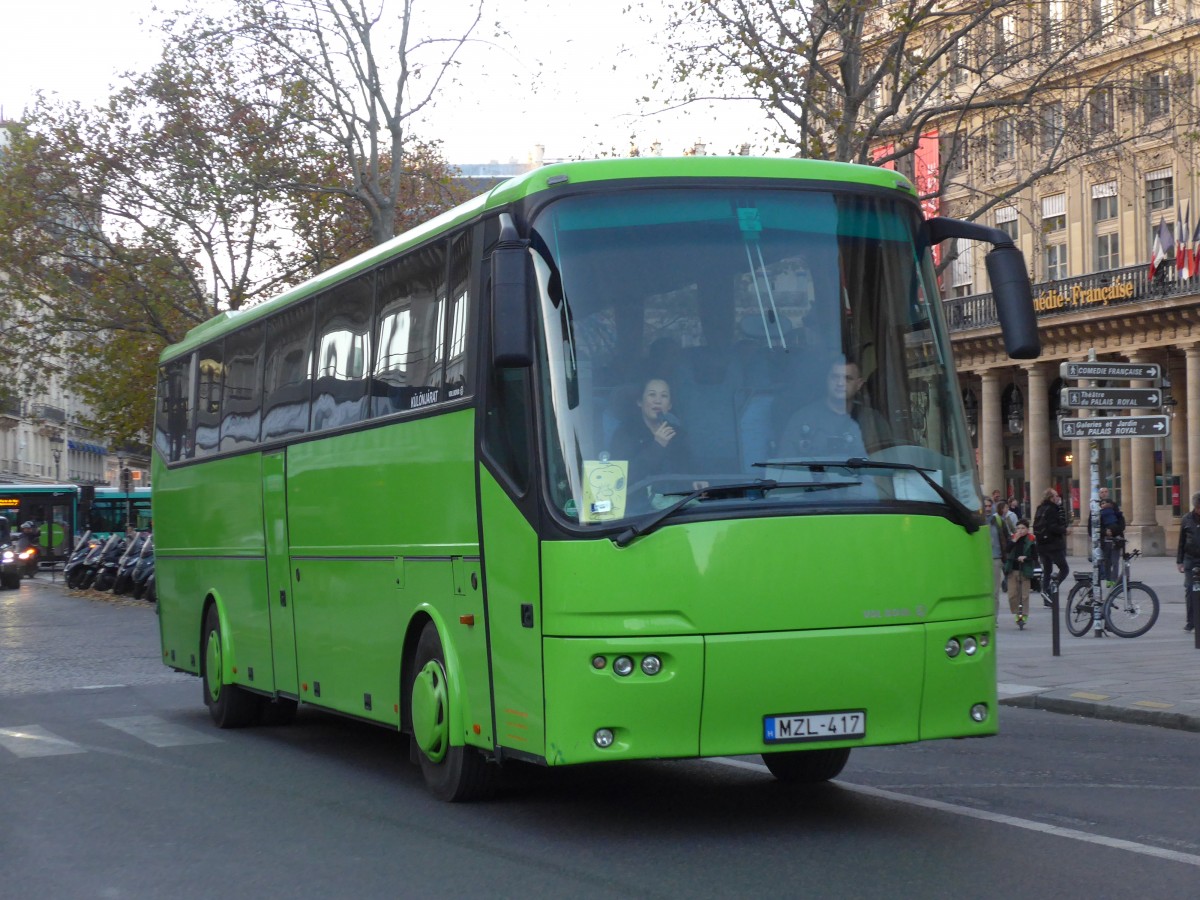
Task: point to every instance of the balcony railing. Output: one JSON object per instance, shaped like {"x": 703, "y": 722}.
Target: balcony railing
{"x": 1099, "y": 290}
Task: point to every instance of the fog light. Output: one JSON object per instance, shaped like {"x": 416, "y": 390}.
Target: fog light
{"x": 969, "y": 646}
{"x": 622, "y": 665}
{"x": 651, "y": 665}
{"x": 979, "y": 712}
{"x": 603, "y": 737}
{"x": 984, "y": 640}
{"x": 952, "y": 647}
{"x": 599, "y": 662}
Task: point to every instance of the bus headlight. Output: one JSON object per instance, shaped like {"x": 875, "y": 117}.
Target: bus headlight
{"x": 622, "y": 665}
{"x": 651, "y": 665}
{"x": 603, "y": 737}
{"x": 969, "y": 646}
{"x": 953, "y": 647}
{"x": 979, "y": 712}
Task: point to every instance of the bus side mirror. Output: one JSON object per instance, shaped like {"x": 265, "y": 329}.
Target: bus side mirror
{"x": 1010, "y": 283}
{"x": 512, "y": 326}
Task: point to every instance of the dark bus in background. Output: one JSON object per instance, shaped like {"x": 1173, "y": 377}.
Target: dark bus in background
{"x": 113, "y": 508}
{"x": 52, "y": 508}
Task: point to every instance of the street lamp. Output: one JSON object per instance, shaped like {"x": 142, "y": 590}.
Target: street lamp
{"x": 56, "y": 442}
{"x": 971, "y": 408}
{"x": 1016, "y": 411}
{"x": 1169, "y": 403}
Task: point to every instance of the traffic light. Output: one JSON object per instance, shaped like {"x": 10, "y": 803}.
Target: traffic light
{"x": 126, "y": 479}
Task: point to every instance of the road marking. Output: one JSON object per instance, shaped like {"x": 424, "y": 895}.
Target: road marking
{"x": 159, "y": 732}
{"x": 1087, "y": 695}
{"x": 1073, "y": 834}
{"x": 1154, "y": 704}
{"x": 34, "y": 740}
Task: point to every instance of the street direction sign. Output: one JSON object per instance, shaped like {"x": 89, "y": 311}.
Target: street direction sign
{"x": 1111, "y": 398}
{"x": 1107, "y": 370}
{"x": 1114, "y": 427}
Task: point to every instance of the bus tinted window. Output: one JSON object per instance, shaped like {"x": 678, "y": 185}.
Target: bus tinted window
{"x": 411, "y": 322}
{"x": 171, "y": 417}
{"x": 210, "y": 383}
{"x": 242, "y": 405}
{"x": 287, "y": 382}
{"x": 457, "y": 372}
{"x": 343, "y": 354}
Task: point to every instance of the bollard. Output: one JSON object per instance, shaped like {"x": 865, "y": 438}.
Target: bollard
{"x": 1193, "y": 600}
{"x": 1053, "y": 594}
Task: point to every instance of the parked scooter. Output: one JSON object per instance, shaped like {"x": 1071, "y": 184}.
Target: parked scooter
{"x": 123, "y": 583}
{"x": 106, "y": 572}
{"x": 73, "y": 568}
{"x": 91, "y": 563}
{"x": 143, "y": 569}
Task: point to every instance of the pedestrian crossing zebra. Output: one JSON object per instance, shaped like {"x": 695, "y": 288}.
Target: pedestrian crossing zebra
{"x": 26, "y": 741}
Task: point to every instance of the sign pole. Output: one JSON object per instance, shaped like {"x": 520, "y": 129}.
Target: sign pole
{"x": 1094, "y": 524}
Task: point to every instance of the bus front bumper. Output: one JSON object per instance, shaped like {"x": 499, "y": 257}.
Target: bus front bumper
{"x": 722, "y": 695}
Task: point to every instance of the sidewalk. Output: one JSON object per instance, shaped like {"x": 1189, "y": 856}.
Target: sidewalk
{"x": 1153, "y": 679}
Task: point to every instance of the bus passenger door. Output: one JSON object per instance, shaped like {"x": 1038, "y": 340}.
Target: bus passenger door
{"x": 279, "y": 587}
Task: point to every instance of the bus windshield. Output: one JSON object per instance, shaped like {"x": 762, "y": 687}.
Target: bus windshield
{"x": 746, "y": 339}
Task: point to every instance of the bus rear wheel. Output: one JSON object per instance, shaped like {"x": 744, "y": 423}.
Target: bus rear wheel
{"x": 229, "y": 705}
{"x": 452, "y": 773}
{"x": 807, "y": 766}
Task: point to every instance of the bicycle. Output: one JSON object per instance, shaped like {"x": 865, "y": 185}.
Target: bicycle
{"x": 1129, "y": 610}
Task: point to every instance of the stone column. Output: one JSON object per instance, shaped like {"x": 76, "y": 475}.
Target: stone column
{"x": 1140, "y": 508}
{"x": 1037, "y": 428}
{"x": 991, "y": 433}
{"x": 1192, "y": 423}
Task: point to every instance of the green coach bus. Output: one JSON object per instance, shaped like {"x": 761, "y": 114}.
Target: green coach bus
{"x": 626, "y": 459}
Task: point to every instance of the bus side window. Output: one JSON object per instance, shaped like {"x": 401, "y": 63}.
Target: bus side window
{"x": 287, "y": 377}
{"x": 208, "y": 398}
{"x": 171, "y": 417}
{"x": 241, "y": 409}
{"x": 408, "y": 368}
{"x": 343, "y": 354}
{"x": 457, "y": 369}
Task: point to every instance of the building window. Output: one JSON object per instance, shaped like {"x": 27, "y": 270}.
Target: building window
{"x": 1108, "y": 252}
{"x": 1052, "y": 126}
{"x": 1056, "y": 262}
{"x": 1004, "y": 141}
{"x": 1056, "y": 24}
{"x": 1104, "y": 201}
{"x": 1006, "y": 221}
{"x": 962, "y": 269}
{"x": 1006, "y": 40}
{"x": 1156, "y": 95}
{"x": 1160, "y": 191}
{"x": 956, "y": 60}
{"x": 1100, "y": 110}
{"x": 1054, "y": 213}
{"x": 1152, "y": 9}
{"x": 954, "y": 151}
{"x": 1104, "y": 16}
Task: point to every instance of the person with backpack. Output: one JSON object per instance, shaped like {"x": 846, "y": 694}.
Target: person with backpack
{"x": 1112, "y": 529}
{"x": 1187, "y": 558}
{"x": 1050, "y": 531}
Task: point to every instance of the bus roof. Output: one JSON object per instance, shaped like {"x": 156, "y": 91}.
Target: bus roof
{"x": 542, "y": 179}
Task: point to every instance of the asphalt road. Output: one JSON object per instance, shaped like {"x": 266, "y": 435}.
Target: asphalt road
{"x": 114, "y": 784}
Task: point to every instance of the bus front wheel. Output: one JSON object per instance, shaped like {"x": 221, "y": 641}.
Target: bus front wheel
{"x": 452, "y": 773}
{"x": 229, "y": 705}
{"x": 807, "y": 766}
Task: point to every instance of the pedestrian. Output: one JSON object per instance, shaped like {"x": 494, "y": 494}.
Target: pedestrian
{"x": 1187, "y": 558}
{"x": 1019, "y": 563}
{"x": 1010, "y": 517}
{"x": 1112, "y": 530}
{"x": 1050, "y": 532}
{"x": 1000, "y": 542}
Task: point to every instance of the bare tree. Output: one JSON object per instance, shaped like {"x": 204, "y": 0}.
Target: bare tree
{"x": 367, "y": 76}
{"x": 1041, "y": 85}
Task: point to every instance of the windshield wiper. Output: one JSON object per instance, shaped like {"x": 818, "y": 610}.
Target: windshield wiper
{"x": 633, "y": 532}
{"x": 963, "y": 514}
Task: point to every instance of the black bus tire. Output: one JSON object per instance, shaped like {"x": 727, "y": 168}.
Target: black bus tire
{"x": 452, "y": 773}
{"x": 807, "y": 766}
{"x": 229, "y": 705}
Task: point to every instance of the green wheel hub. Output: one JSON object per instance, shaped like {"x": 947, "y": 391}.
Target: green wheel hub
{"x": 430, "y": 721}
{"x": 212, "y": 665}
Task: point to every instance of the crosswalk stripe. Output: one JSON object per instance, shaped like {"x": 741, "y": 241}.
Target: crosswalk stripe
{"x": 159, "y": 732}
{"x": 34, "y": 740}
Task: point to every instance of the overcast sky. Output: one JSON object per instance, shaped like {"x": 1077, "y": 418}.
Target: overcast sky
{"x": 569, "y": 78}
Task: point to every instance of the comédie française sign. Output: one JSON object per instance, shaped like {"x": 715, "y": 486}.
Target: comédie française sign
{"x": 1079, "y": 297}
